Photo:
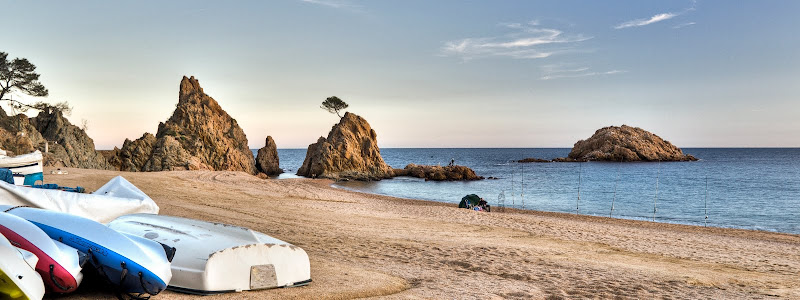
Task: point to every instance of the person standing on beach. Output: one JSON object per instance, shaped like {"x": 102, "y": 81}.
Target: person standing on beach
{"x": 452, "y": 162}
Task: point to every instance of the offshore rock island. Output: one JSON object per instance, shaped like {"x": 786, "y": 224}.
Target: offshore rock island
{"x": 622, "y": 144}
{"x": 349, "y": 152}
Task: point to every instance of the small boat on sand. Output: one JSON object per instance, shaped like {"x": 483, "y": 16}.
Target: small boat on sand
{"x": 59, "y": 265}
{"x": 131, "y": 263}
{"x": 27, "y": 168}
{"x": 18, "y": 279}
{"x": 213, "y": 258}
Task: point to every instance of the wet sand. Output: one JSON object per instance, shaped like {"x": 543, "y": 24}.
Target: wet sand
{"x": 364, "y": 245}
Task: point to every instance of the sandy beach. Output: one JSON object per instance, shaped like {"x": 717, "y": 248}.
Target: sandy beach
{"x": 364, "y": 245}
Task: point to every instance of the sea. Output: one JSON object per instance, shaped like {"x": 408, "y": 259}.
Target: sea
{"x": 748, "y": 188}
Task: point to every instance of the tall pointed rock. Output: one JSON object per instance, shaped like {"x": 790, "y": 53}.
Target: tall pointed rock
{"x": 198, "y": 135}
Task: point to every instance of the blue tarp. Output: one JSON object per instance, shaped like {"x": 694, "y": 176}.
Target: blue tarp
{"x": 6, "y": 175}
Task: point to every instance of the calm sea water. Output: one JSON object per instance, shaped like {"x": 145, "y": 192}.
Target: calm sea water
{"x": 746, "y": 188}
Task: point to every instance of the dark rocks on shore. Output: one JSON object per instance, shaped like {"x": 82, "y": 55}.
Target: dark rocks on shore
{"x": 349, "y": 152}
{"x": 624, "y": 144}
{"x": 267, "y": 158}
{"x": 533, "y": 160}
{"x": 198, "y": 135}
{"x": 67, "y": 145}
{"x": 439, "y": 173}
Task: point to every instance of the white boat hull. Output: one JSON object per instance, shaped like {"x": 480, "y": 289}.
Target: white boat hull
{"x": 58, "y": 264}
{"x": 18, "y": 279}
{"x": 24, "y": 166}
{"x": 215, "y": 258}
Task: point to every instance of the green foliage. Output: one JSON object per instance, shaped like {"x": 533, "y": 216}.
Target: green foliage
{"x": 19, "y": 75}
{"x": 334, "y": 105}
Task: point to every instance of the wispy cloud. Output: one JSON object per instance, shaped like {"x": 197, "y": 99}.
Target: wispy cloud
{"x": 683, "y": 25}
{"x": 525, "y": 41}
{"x": 643, "y": 22}
{"x": 657, "y": 18}
{"x": 560, "y": 71}
{"x": 339, "y": 4}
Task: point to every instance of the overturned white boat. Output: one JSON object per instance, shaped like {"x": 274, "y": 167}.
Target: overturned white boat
{"x": 27, "y": 168}
{"x": 116, "y": 198}
{"x": 18, "y": 279}
{"x": 213, "y": 258}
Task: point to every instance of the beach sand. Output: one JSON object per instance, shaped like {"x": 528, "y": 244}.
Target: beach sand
{"x": 363, "y": 245}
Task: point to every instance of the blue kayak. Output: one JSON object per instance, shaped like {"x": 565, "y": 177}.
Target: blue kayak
{"x": 132, "y": 264}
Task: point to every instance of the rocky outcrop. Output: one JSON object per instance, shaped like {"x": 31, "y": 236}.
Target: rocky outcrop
{"x": 69, "y": 145}
{"x": 198, "y": 135}
{"x": 267, "y": 158}
{"x": 349, "y": 152}
{"x": 134, "y": 154}
{"x": 439, "y": 173}
{"x": 625, "y": 144}
{"x": 533, "y": 160}
{"x": 18, "y": 135}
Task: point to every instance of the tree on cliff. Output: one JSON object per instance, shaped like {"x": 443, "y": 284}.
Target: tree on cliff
{"x": 19, "y": 75}
{"x": 334, "y": 105}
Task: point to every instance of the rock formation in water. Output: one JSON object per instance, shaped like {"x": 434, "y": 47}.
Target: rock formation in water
{"x": 267, "y": 158}
{"x": 67, "y": 144}
{"x": 625, "y": 144}
{"x": 533, "y": 160}
{"x": 198, "y": 135}
{"x": 439, "y": 173}
{"x": 349, "y": 152}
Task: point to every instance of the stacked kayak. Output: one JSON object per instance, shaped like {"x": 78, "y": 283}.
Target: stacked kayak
{"x": 130, "y": 263}
{"x": 59, "y": 265}
{"x": 18, "y": 279}
{"x": 215, "y": 258}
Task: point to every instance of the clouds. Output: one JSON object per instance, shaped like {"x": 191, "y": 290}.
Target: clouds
{"x": 657, "y": 18}
{"x": 338, "y": 4}
{"x": 643, "y": 22}
{"x": 577, "y": 73}
{"x": 523, "y": 41}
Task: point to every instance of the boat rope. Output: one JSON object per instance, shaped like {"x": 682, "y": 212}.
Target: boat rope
{"x": 144, "y": 286}
{"x": 55, "y": 281}
{"x": 117, "y": 291}
{"x": 18, "y": 206}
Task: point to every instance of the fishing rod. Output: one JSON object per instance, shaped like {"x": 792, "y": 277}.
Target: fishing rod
{"x": 578, "y": 201}
{"x": 655, "y": 199}
{"x": 616, "y": 182}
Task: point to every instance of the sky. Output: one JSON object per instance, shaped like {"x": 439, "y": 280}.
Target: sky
{"x": 426, "y": 73}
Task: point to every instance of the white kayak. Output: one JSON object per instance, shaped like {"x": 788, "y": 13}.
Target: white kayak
{"x": 18, "y": 279}
{"x": 213, "y": 258}
{"x": 59, "y": 265}
{"x": 116, "y": 198}
{"x": 133, "y": 264}
{"x": 27, "y": 168}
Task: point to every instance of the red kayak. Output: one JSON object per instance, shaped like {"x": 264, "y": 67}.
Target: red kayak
{"x": 59, "y": 264}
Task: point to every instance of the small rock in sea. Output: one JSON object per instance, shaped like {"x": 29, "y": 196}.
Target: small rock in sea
{"x": 534, "y": 160}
